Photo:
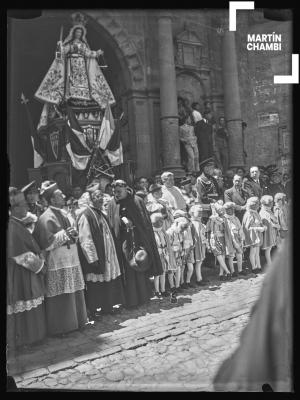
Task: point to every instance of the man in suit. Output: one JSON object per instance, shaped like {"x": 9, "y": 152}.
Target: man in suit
{"x": 238, "y": 196}
{"x": 252, "y": 184}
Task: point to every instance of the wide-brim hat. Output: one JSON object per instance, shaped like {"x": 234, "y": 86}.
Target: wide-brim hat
{"x": 185, "y": 181}
{"x": 155, "y": 187}
{"x": 229, "y": 205}
{"x": 93, "y": 186}
{"x": 207, "y": 162}
{"x": 141, "y": 194}
{"x": 179, "y": 214}
{"x": 48, "y": 188}
{"x": 31, "y": 186}
{"x": 138, "y": 259}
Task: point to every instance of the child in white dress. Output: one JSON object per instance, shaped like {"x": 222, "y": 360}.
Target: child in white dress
{"x": 166, "y": 255}
{"x": 200, "y": 241}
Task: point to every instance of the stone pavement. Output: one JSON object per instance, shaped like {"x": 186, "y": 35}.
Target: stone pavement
{"x": 158, "y": 347}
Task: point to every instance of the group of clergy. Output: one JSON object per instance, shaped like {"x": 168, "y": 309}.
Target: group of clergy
{"x": 65, "y": 271}
{"x": 65, "y": 268}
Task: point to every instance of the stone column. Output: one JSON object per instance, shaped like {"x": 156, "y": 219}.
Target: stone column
{"x": 168, "y": 97}
{"x": 232, "y": 104}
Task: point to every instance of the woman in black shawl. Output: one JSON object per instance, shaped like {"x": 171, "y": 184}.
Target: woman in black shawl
{"x": 129, "y": 219}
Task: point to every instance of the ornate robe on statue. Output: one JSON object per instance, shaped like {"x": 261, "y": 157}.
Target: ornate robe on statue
{"x": 65, "y": 303}
{"x": 99, "y": 261}
{"x": 26, "y": 321}
{"x": 76, "y": 75}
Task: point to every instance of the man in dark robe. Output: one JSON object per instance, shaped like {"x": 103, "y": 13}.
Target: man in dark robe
{"x": 98, "y": 257}
{"x": 128, "y": 216}
{"x": 26, "y": 321}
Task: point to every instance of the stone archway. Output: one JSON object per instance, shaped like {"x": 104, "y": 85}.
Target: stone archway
{"x": 125, "y": 49}
{"x": 131, "y": 77}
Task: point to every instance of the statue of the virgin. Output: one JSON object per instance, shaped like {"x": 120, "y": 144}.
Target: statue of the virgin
{"x": 75, "y": 75}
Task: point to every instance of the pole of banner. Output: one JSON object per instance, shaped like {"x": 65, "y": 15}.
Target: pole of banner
{"x": 95, "y": 151}
{"x": 30, "y": 124}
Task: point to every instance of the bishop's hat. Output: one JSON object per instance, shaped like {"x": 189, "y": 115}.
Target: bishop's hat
{"x": 47, "y": 189}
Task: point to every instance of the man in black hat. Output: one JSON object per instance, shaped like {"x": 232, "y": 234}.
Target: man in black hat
{"x": 207, "y": 185}
{"x": 31, "y": 194}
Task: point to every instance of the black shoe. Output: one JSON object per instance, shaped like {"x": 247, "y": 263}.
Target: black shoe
{"x": 234, "y": 274}
{"x": 178, "y": 289}
{"x": 165, "y": 294}
{"x": 184, "y": 286}
{"x": 222, "y": 278}
{"x": 228, "y": 277}
{"x": 201, "y": 283}
{"x": 191, "y": 285}
{"x": 94, "y": 316}
{"x": 205, "y": 280}
{"x": 243, "y": 272}
{"x": 173, "y": 298}
{"x": 259, "y": 270}
{"x": 105, "y": 312}
{"x": 158, "y": 295}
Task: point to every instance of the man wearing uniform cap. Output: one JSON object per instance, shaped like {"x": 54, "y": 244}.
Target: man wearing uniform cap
{"x": 65, "y": 303}
{"x": 207, "y": 186}
{"x": 31, "y": 194}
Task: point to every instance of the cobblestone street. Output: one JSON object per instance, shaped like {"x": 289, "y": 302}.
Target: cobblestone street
{"x": 159, "y": 346}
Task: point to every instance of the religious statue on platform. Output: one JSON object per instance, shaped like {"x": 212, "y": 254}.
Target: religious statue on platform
{"x": 75, "y": 95}
{"x": 75, "y": 74}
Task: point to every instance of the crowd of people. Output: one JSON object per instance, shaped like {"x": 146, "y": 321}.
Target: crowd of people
{"x": 73, "y": 259}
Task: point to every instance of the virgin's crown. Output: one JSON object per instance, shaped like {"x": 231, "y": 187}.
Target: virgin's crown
{"x": 78, "y": 19}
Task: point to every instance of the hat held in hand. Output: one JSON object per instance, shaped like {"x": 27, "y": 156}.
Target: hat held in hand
{"x": 137, "y": 258}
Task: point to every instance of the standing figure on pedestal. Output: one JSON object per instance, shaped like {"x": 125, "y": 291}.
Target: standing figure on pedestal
{"x": 75, "y": 73}
{"x": 187, "y": 137}
{"x": 221, "y": 145}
